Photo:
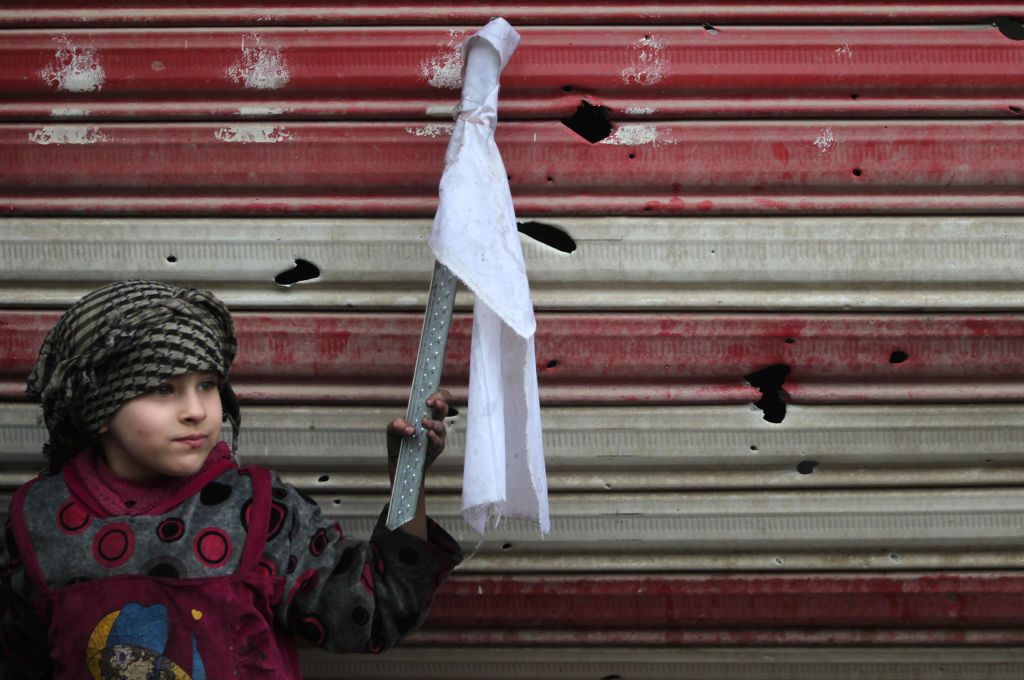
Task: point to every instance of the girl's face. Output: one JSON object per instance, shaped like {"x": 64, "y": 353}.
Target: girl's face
{"x": 169, "y": 431}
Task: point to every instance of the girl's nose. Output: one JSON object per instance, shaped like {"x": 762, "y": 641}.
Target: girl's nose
{"x": 192, "y": 408}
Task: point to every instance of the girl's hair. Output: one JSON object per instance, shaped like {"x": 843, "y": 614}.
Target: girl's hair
{"x": 118, "y": 342}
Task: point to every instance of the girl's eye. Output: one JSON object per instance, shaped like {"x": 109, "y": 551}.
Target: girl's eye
{"x": 209, "y": 385}
{"x": 163, "y": 390}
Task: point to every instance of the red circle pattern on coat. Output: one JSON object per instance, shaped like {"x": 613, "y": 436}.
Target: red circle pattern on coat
{"x": 212, "y": 547}
{"x": 113, "y": 545}
{"x": 72, "y": 518}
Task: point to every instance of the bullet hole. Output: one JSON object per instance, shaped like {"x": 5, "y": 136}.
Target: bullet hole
{"x": 567, "y": 88}
{"x": 778, "y": 561}
{"x": 857, "y": 172}
{"x": 172, "y": 259}
{"x": 1009, "y": 27}
{"x": 631, "y": 156}
{"x": 551, "y": 179}
{"x": 854, "y": 96}
{"x": 129, "y": 504}
{"x": 612, "y": 677}
{"x": 806, "y": 467}
{"x": 647, "y": 36}
{"x": 592, "y": 123}
{"x": 898, "y": 357}
{"x": 988, "y": 460}
{"x": 303, "y": 271}
{"x": 337, "y": 501}
{"x": 553, "y": 363}
{"x": 324, "y": 478}
{"x": 549, "y": 235}
{"x": 753, "y": 447}
{"x": 506, "y": 546}
{"x": 709, "y": 28}
{"x": 895, "y": 558}
{"x": 1015, "y": 109}
{"x": 648, "y": 208}
{"x": 789, "y": 341}
{"x": 773, "y": 398}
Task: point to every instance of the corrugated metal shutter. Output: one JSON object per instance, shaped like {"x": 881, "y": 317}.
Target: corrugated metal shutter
{"x": 780, "y": 332}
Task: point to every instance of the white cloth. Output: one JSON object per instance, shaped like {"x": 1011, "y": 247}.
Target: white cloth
{"x": 476, "y": 237}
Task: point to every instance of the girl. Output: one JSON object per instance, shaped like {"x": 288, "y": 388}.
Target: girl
{"x": 147, "y": 552}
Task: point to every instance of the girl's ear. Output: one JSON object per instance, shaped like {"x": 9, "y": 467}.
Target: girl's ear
{"x": 104, "y": 428}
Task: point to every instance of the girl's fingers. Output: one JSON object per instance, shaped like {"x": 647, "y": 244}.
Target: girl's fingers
{"x": 400, "y": 428}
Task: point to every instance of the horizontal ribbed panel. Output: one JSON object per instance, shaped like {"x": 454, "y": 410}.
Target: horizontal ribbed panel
{"x": 637, "y": 662}
{"x": 393, "y": 168}
{"x": 660, "y": 358}
{"x": 142, "y": 12}
{"x": 717, "y": 530}
{"x": 662, "y": 603}
{"x": 968, "y": 263}
{"x": 823, "y": 529}
{"x": 672, "y": 663}
{"x": 635, "y": 449}
{"x": 414, "y": 73}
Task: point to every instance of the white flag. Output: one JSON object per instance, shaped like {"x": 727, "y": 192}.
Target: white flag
{"x": 476, "y": 237}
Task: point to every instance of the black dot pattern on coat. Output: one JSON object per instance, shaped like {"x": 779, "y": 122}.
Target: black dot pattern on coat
{"x": 360, "y": 616}
{"x": 318, "y": 543}
{"x": 214, "y": 493}
{"x": 170, "y": 530}
{"x": 312, "y": 628}
{"x": 164, "y": 571}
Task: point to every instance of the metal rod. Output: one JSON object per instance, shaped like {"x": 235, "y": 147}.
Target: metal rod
{"x": 437, "y": 321}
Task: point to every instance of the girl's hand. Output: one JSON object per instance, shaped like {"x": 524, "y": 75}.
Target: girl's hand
{"x": 434, "y": 427}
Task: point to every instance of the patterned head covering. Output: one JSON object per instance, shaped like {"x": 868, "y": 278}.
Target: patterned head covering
{"x": 118, "y": 342}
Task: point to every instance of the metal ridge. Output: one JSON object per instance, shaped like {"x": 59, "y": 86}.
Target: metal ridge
{"x": 374, "y": 169}
{"x": 636, "y": 602}
{"x": 772, "y": 531}
{"x": 912, "y": 263}
{"x": 635, "y": 448}
{"x": 70, "y": 13}
{"x": 647, "y": 72}
{"x": 619, "y": 357}
{"x": 943, "y": 658}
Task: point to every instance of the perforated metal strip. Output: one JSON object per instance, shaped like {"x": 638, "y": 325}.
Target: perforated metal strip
{"x": 437, "y": 321}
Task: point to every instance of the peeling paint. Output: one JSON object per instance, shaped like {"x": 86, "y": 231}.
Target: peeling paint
{"x": 648, "y": 63}
{"x": 68, "y": 112}
{"x": 826, "y": 140}
{"x": 260, "y": 67}
{"x": 845, "y": 51}
{"x": 262, "y": 111}
{"x": 640, "y": 110}
{"x": 635, "y": 135}
{"x": 444, "y": 70}
{"x": 67, "y": 134}
{"x": 74, "y": 69}
{"x": 430, "y": 130}
{"x": 253, "y": 134}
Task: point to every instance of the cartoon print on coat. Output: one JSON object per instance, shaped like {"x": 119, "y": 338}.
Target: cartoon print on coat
{"x": 129, "y": 643}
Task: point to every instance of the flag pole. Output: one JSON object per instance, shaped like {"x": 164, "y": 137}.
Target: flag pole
{"x": 437, "y": 321}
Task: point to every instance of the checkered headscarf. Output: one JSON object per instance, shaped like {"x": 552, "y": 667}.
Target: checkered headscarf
{"x": 118, "y": 342}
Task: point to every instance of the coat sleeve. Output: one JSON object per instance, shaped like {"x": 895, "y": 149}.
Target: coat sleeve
{"x": 346, "y": 594}
{"x": 24, "y": 651}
